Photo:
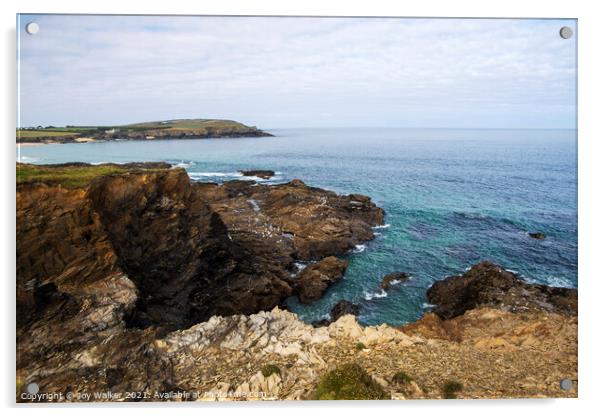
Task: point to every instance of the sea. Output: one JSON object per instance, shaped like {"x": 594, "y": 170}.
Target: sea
{"x": 452, "y": 197}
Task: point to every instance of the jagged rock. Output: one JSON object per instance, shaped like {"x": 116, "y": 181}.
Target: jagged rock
{"x": 392, "y": 279}
{"x": 344, "y": 307}
{"x": 292, "y": 221}
{"x": 98, "y": 312}
{"x": 487, "y": 284}
{"x": 263, "y": 174}
{"x": 312, "y": 282}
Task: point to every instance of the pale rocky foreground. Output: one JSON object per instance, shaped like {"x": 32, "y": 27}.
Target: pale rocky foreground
{"x": 492, "y": 353}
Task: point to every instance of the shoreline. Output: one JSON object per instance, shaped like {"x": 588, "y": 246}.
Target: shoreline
{"x": 132, "y": 227}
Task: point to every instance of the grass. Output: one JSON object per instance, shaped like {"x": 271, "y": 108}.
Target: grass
{"x": 70, "y": 176}
{"x": 402, "y": 378}
{"x": 348, "y": 382}
{"x": 269, "y": 369}
{"x": 360, "y": 346}
{"x": 450, "y": 388}
{"x": 44, "y": 133}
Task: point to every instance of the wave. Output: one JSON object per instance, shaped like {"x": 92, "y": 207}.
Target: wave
{"x": 209, "y": 174}
{"x": 375, "y": 295}
{"x": 426, "y": 305}
{"x": 559, "y": 282}
{"x": 359, "y": 248}
{"x": 380, "y": 227}
{"x": 554, "y": 281}
{"x": 184, "y": 164}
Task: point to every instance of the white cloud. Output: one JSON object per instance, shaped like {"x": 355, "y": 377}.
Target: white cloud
{"x": 277, "y": 72}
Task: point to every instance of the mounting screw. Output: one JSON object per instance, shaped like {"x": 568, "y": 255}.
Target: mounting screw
{"x": 32, "y": 28}
{"x": 566, "y": 32}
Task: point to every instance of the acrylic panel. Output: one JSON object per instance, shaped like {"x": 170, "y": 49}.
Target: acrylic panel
{"x": 215, "y": 208}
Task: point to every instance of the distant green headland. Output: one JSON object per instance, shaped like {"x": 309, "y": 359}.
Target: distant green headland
{"x": 169, "y": 129}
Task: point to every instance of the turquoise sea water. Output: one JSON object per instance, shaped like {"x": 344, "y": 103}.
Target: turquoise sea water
{"x": 452, "y": 198}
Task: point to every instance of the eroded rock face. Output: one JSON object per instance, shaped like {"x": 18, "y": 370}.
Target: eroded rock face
{"x": 306, "y": 223}
{"x": 487, "y": 284}
{"x": 312, "y": 282}
{"x": 112, "y": 280}
{"x": 103, "y": 269}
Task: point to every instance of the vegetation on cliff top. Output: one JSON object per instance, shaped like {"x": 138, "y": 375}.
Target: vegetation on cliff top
{"x": 349, "y": 382}
{"x": 74, "y": 175}
{"x": 140, "y": 131}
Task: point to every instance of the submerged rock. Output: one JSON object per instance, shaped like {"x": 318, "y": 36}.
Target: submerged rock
{"x": 392, "y": 279}
{"x": 487, "y": 284}
{"x": 537, "y": 236}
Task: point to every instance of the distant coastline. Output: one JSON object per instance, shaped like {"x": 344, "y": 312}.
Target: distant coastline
{"x": 168, "y": 129}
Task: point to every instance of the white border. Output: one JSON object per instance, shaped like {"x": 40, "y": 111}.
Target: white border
{"x": 590, "y": 209}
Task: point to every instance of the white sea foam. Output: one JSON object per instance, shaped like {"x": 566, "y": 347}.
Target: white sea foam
{"x": 208, "y": 174}
{"x": 375, "y": 295}
{"x": 359, "y": 248}
{"x": 379, "y": 227}
{"x": 555, "y": 281}
{"x": 427, "y": 305}
{"x": 559, "y": 281}
{"x": 184, "y": 165}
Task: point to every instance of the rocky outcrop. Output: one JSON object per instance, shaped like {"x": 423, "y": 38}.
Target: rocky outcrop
{"x": 393, "y": 279}
{"x": 312, "y": 282}
{"x": 304, "y": 222}
{"x": 263, "y": 174}
{"x": 342, "y": 308}
{"x": 487, "y": 284}
{"x": 143, "y": 282}
{"x": 537, "y": 236}
{"x": 494, "y": 353}
{"x": 136, "y": 251}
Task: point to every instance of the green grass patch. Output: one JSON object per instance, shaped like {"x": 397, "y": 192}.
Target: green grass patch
{"x": 360, "y": 346}
{"x": 402, "y": 377}
{"x": 28, "y": 134}
{"x": 451, "y": 388}
{"x": 269, "y": 369}
{"x": 349, "y": 382}
{"x": 71, "y": 176}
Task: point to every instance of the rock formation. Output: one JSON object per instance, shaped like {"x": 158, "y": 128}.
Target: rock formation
{"x": 393, "y": 279}
{"x": 487, "y": 284}
{"x": 136, "y": 284}
{"x": 263, "y": 174}
{"x": 312, "y": 282}
{"x": 342, "y": 308}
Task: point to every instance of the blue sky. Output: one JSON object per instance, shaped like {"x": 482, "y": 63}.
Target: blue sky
{"x": 298, "y": 72}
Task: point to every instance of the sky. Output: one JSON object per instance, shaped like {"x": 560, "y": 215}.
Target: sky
{"x": 297, "y": 72}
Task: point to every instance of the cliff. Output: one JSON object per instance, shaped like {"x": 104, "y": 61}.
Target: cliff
{"x": 130, "y": 278}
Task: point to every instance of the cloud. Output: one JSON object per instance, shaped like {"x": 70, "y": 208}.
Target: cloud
{"x": 295, "y": 72}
